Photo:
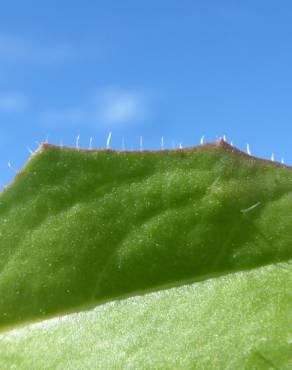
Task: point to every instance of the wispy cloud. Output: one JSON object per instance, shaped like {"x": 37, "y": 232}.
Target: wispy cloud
{"x": 110, "y": 107}
{"x": 12, "y": 102}
{"x": 116, "y": 106}
{"x": 15, "y": 49}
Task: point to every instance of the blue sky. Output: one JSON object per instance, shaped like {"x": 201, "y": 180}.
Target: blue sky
{"x": 178, "y": 69}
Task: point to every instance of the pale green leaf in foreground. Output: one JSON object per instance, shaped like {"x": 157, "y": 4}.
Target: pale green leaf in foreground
{"x": 237, "y": 321}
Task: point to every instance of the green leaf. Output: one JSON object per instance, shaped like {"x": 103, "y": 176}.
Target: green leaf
{"x": 200, "y": 239}
{"x": 236, "y": 321}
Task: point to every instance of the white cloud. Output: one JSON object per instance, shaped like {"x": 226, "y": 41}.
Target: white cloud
{"x": 12, "y": 102}
{"x": 109, "y": 107}
{"x": 116, "y": 106}
{"x": 15, "y": 49}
